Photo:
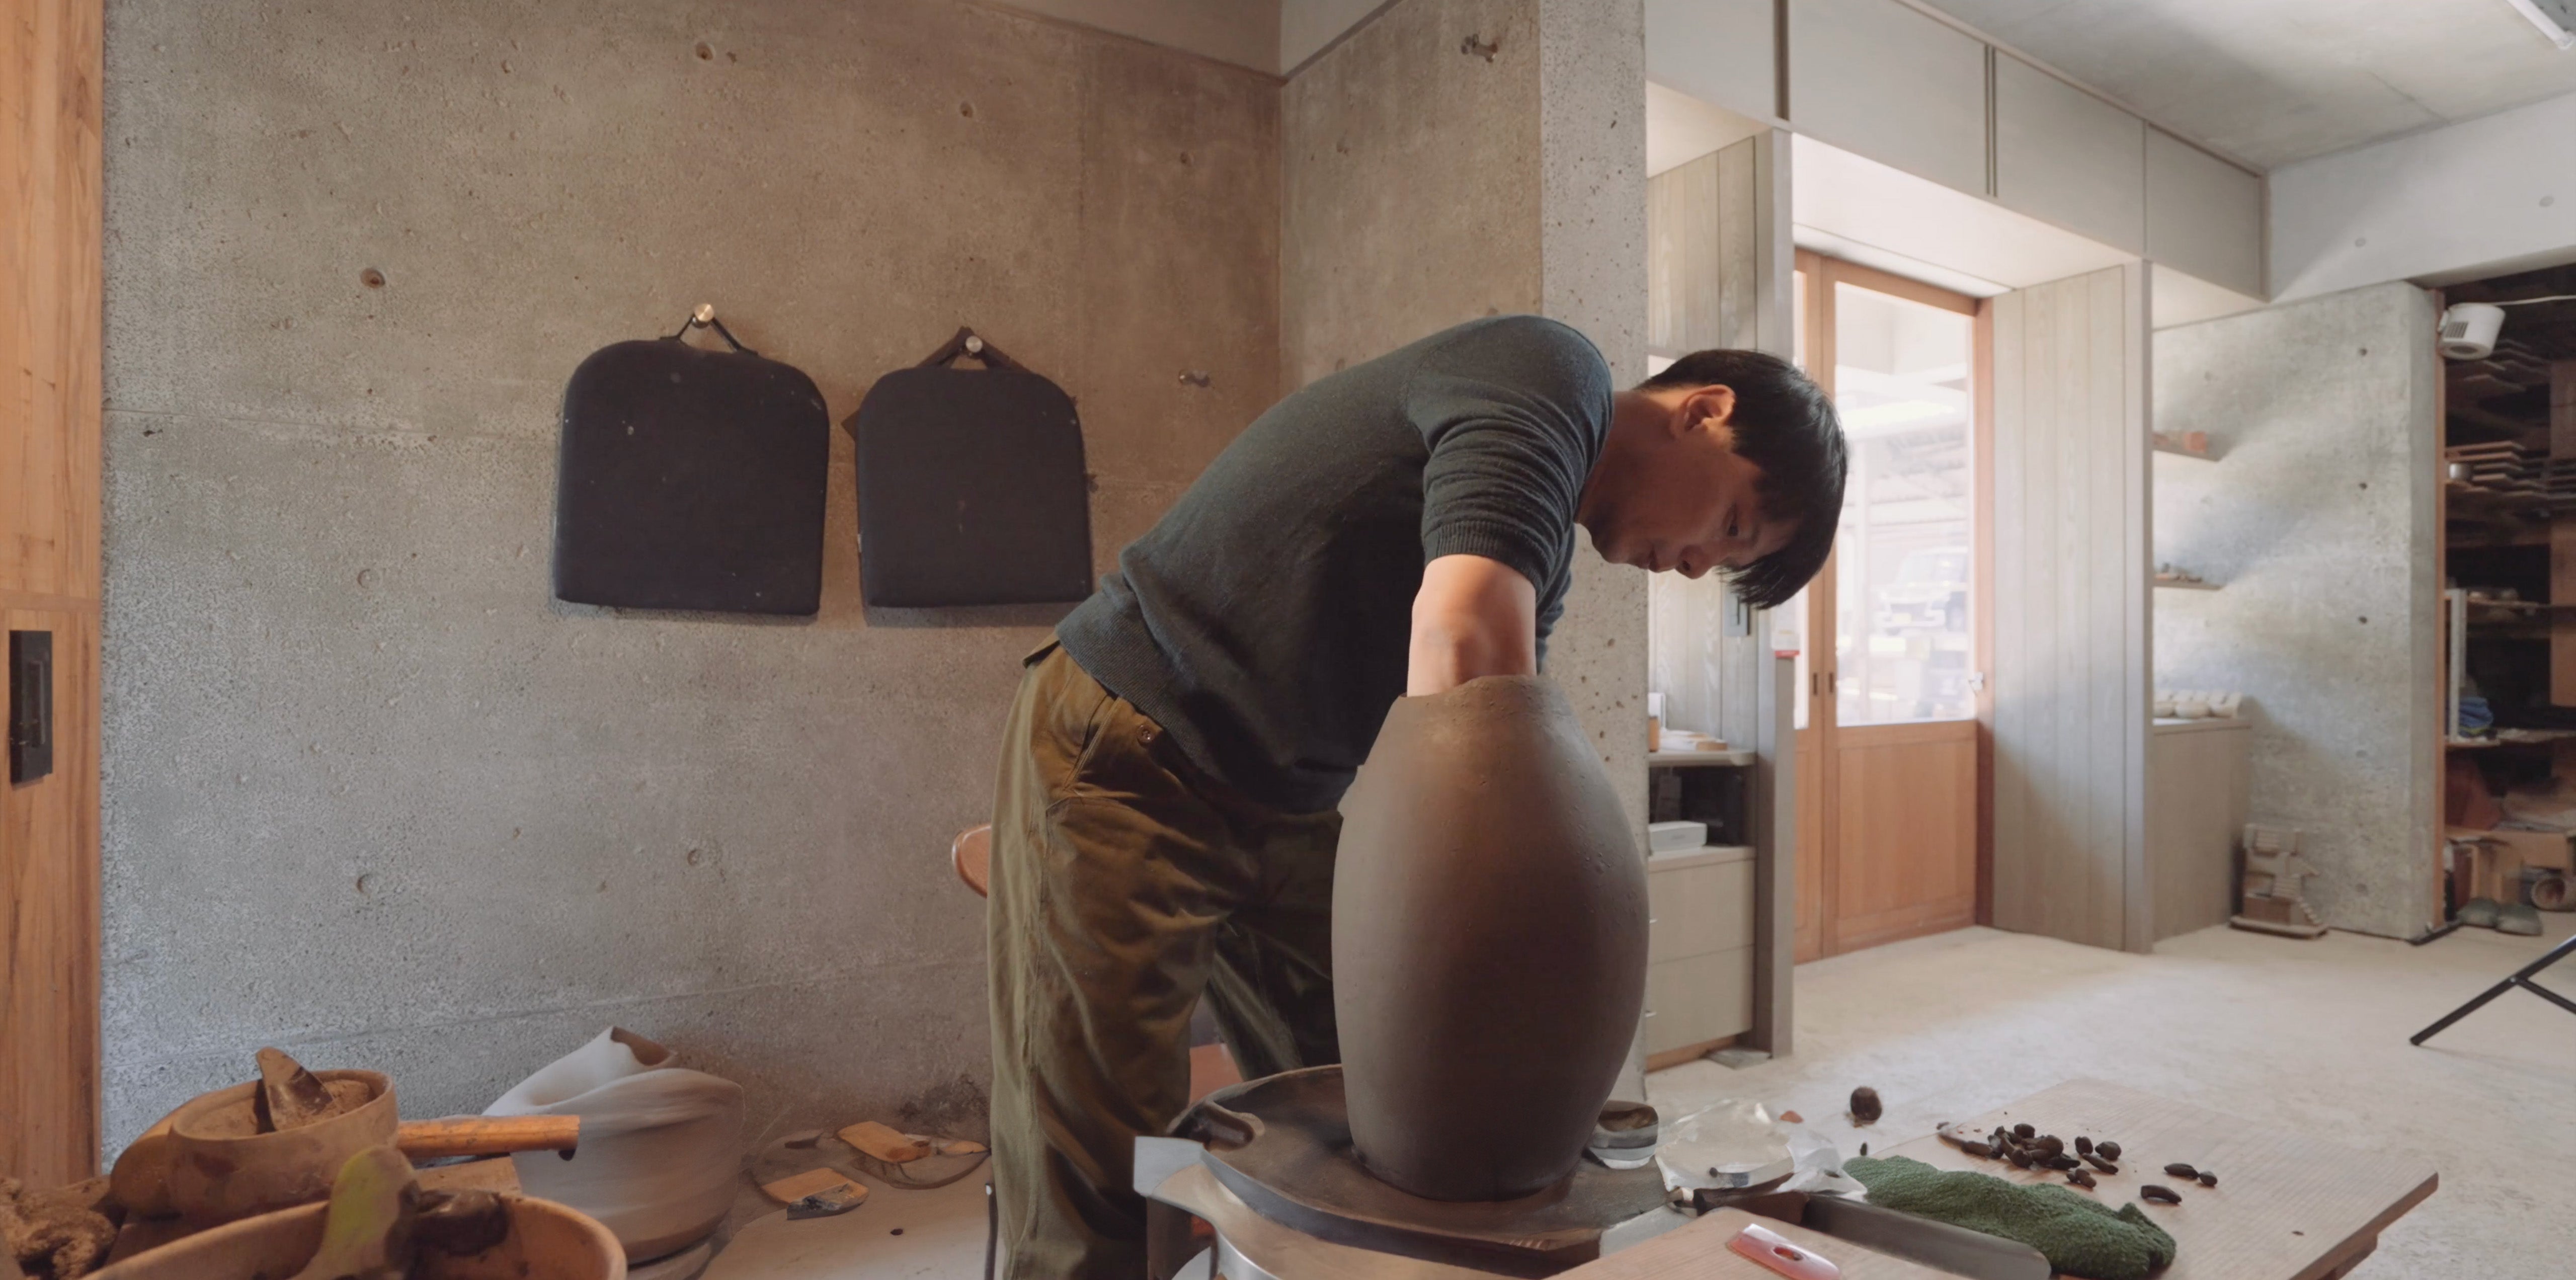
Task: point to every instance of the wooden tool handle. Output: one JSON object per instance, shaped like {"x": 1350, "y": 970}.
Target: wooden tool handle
{"x": 487, "y": 1135}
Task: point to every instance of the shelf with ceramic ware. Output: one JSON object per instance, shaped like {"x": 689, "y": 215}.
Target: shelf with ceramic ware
{"x": 2184, "y": 444}
{"x": 1699, "y": 759}
{"x": 2169, "y": 578}
{"x": 2198, "y": 704}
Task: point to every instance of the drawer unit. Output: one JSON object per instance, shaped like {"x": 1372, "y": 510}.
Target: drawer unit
{"x": 1698, "y": 999}
{"x": 1699, "y": 909}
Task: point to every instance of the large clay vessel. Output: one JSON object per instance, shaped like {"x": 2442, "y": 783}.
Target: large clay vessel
{"x": 661, "y": 1146}
{"x": 1489, "y": 942}
{"x": 222, "y": 1168}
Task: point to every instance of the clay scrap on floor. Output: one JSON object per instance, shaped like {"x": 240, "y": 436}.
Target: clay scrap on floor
{"x": 808, "y": 1160}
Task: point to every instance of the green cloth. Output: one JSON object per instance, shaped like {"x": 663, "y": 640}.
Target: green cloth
{"x": 2081, "y": 1236}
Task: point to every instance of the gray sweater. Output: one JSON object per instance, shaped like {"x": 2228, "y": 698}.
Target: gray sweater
{"x": 1266, "y": 621}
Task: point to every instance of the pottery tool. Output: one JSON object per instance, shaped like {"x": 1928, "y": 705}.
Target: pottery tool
{"x": 792, "y": 1189}
{"x": 1773, "y": 1252}
{"x": 488, "y": 1136}
{"x": 828, "y": 1203}
{"x": 367, "y": 1229}
{"x": 291, "y": 1097}
{"x": 884, "y": 1143}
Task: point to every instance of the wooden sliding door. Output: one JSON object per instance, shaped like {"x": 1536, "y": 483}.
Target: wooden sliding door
{"x": 49, "y": 598}
{"x": 1888, "y": 773}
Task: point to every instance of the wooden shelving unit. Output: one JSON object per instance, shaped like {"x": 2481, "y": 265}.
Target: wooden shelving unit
{"x": 2508, "y": 521}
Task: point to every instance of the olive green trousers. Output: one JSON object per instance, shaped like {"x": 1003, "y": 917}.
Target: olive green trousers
{"x": 1125, "y": 885}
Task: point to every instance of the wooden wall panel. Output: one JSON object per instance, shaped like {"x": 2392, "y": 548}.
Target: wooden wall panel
{"x": 2071, "y": 573}
{"x": 1719, "y": 274}
{"x": 49, "y": 573}
{"x": 1810, "y": 939}
{"x": 49, "y": 974}
{"x": 1705, "y": 280}
{"x": 1717, "y": 267}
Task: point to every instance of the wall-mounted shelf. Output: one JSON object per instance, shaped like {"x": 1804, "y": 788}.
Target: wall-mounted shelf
{"x": 2179, "y": 585}
{"x": 1704, "y": 856}
{"x": 1703, "y": 759}
{"x": 2172, "y": 446}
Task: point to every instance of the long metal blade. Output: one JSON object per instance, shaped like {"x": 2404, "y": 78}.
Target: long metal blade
{"x": 1934, "y": 1244}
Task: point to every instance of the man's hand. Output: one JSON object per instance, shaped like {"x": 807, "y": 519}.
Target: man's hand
{"x": 1473, "y": 617}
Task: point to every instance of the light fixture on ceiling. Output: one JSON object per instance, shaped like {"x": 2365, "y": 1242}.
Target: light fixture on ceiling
{"x": 2555, "y": 18}
{"x": 2469, "y": 328}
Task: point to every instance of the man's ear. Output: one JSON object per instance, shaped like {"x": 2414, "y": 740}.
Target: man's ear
{"x": 1712, "y": 407}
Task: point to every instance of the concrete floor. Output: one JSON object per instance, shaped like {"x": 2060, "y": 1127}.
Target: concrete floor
{"x": 2307, "y": 1034}
{"x": 2311, "y": 1034}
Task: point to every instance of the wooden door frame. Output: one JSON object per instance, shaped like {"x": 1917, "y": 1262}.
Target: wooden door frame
{"x": 1821, "y": 274}
{"x": 51, "y": 144}
{"x": 1822, "y": 672}
{"x": 1981, "y": 645}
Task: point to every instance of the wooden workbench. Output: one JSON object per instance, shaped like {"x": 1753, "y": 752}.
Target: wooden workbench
{"x": 2287, "y": 1206}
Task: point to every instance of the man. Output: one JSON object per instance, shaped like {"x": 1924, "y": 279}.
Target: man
{"x": 1164, "y": 820}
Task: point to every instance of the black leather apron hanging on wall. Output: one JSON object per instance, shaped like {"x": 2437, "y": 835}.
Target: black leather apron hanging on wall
{"x": 691, "y": 479}
{"x": 971, "y": 485}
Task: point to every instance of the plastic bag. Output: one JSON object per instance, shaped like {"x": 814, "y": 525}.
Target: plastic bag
{"x": 1728, "y": 1145}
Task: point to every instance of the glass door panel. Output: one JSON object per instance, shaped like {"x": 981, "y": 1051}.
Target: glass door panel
{"x": 1904, "y": 592}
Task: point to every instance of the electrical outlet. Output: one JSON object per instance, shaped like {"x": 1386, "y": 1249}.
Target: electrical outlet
{"x": 31, "y": 705}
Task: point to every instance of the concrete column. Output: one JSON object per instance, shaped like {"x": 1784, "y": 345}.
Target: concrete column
{"x": 1460, "y": 158}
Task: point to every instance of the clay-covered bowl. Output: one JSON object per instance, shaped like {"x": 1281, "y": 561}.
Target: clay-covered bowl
{"x": 221, "y": 1168}
{"x": 547, "y": 1241}
{"x": 1489, "y": 942}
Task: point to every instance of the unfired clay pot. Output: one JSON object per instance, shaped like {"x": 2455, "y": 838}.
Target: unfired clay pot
{"x": 222, "y": 1168}
{"x": 1489, "y": 942}
{"x": 546, "y": 1242}
{"x": 661, "y": 1146}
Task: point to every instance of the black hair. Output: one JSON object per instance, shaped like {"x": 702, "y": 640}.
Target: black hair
{"x": 1784, "y": 425}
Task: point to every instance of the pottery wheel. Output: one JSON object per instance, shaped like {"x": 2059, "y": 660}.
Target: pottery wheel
{"x": 1295, "y": 1166}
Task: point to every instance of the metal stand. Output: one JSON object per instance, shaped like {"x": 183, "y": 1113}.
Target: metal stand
{"x": 2521, "y": 978}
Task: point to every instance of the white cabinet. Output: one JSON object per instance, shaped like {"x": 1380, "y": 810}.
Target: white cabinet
{"x": 1718, "y": 51}
{"x": 1699, "y": 972}
{"x": 2067, "y": 157}
{"x": 1882, "y": 80}
{"x": 2204, "y": 215}
{"x": 1691, "y": 1002}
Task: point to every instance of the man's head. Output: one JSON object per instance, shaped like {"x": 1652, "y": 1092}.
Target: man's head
{"x": 1728, "y": 460}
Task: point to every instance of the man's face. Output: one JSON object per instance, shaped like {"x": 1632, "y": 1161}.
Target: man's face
{"x": 1683, "y": 499}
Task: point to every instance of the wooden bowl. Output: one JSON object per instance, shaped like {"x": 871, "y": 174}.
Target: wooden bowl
{"x": 547, "y": 1241}
{"x": 221, "y": 1170}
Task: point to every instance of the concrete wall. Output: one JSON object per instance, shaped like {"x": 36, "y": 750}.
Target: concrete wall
{"x": 1460, "y": 158}
{"x": 2318, "y": 519}
{"x": 370, "y": 794}
{"x": 2478, "y": 198}
{"x": 1243, "y": 32}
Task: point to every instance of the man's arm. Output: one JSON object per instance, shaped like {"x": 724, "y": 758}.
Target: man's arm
{"x": 1473, "y": 617}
